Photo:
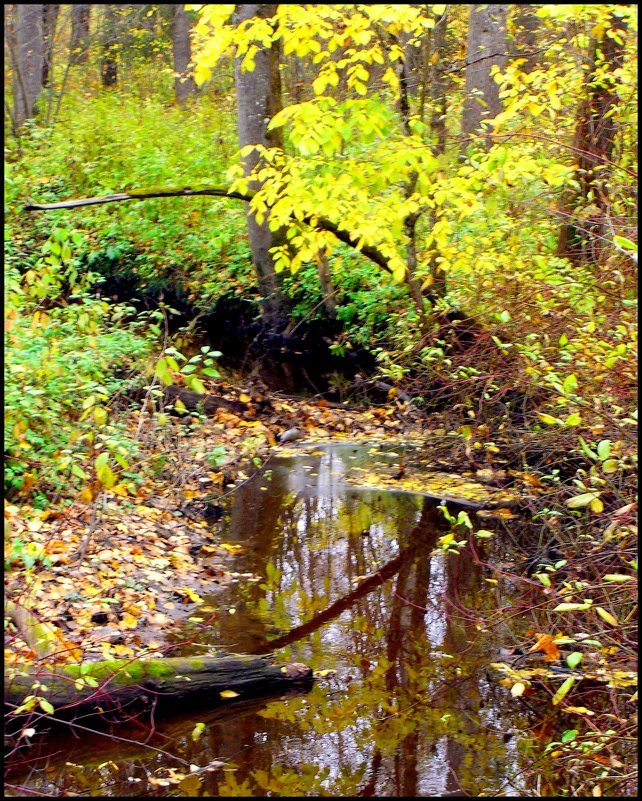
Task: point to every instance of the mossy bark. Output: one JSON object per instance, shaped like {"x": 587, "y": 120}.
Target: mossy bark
{"x": 162, "y": 683}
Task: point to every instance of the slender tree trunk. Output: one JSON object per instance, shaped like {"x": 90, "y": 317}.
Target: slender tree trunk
{"x": 109, "y": 62}
{"x": 327, "y": 287}
{"x": 79, "y": 44}
{"x": 258, "y": 100}
{"x": 486, "y": 49}
{"x": 410, "y": 223}
{"x": 49, "y": 21}
{"x": 594, "y": 140}
{"x": 184, "y": 85}
{"x": 28, "y": 61}
{"x": 526, "y": 25}
{"x": 437, "y": 65}
{"x": 438, "y": 83}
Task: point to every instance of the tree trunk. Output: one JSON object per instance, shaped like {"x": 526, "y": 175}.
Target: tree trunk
{"x": 526, "y": 26}
{"x": 327, "y": 287}
{"x": 184, "y": 85}
{"x": 486, "y": 49}
{"x": 79, "y": 44}
{"x": 50, "y": 18}
{"x": 164, "y": 683}
{"x": 28, "y": 61}
{"x": 436, "y": 83}
{"x": 410, "y": 222}
{"x": 258, "y": 98}
{"x": 594, "y": 142}
{"x": 109, "y": 62}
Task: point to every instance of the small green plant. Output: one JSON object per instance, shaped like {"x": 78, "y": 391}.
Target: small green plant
{"x": 449, "y": 542}
{"x": 21, "y": 554}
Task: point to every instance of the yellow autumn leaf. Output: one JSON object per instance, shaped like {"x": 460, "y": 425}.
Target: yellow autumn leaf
{"x": 517, "y": 689}
{"x": 607, "y": 617}
{"x": 127, "y": 621}
{"x": 197, "y": 731}
{"x": 596, "y": 505}
{"x": 228, "y": 694}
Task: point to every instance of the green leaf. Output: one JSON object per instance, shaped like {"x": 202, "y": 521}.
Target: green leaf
{"x": 570, "y": 384}
{"x": 569, "y": 735}
{"x": 195, "y": 384}
{"x": 77, "y": 471}
{"x": 101, "y": 460}
{"x": 574, "y": 659}
{"x": 46, "y": 706}
{"x": 573, "y": 420}
{"x": 616, "y": 578}
{"x": 163, "y": 372}
{"x": 574, "y": 607}
{"x": 604, "y": 449}
{"x": 543, "y": 578}
{"x": 563, "y": 690}
{"x": 625, "y": 243}
{"x": 591, "y": 454}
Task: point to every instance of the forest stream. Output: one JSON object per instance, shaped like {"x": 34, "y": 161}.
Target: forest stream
{"x": 352, "y": 581}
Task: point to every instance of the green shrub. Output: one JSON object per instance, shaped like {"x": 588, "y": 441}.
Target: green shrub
{"x": 67, "y": 354}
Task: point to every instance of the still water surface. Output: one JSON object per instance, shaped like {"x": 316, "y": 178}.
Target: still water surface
{"x": 349, "y": 583}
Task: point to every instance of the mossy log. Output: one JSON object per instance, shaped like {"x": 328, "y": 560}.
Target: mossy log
{"x": 159, "y": 683}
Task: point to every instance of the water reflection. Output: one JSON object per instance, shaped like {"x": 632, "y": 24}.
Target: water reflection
{"x": 350, "y": 583}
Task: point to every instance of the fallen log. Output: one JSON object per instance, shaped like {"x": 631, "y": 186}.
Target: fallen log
{"x": 96, "y": 687}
